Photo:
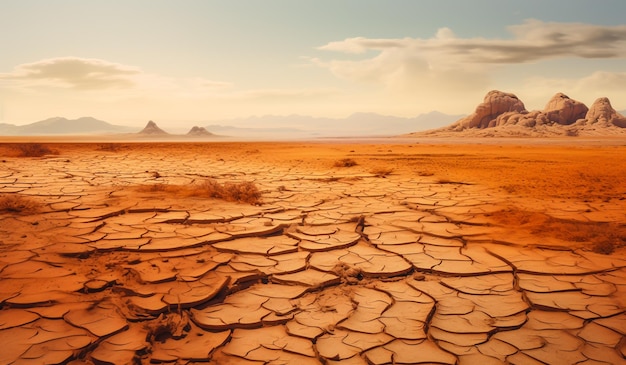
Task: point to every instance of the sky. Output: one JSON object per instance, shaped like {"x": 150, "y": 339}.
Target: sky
{"x": 186, "y": 62}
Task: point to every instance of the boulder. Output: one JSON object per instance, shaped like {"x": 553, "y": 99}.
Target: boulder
{"x": 495, "y": 104}
{"x": 603, "y": 114}
{"x": 563, "y": 110}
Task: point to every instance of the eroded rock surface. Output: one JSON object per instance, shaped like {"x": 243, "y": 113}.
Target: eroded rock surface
{"x": 503, "y": 114}
{"x": 495, "y": 104}
{"x": 603, "y": 114}
{"x": 343, "y": 268}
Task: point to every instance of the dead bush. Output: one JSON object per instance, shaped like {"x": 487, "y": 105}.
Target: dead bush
{"x": 345, "y": 162}
{"x": 35, "y": 150}
{"x": 18, "y": 204}
{"x": 381, "y": 171}
{"x": 209, "y": 188}
{"x": 603, "y": 247}
{"x": 244, "y": 192}
{"x": 162, "y": 188}
{"x": 110, "y": 147}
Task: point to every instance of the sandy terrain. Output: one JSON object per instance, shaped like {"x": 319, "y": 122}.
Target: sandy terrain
{"x": 488, "y": 251}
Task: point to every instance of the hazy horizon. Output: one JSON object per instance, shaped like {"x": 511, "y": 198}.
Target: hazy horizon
{"x": 202, "y": 61}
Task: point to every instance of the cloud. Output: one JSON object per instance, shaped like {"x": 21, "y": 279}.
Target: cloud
{"x": 532, "y": 40}
{"x": 442, "y": 70}
{"x": 100, "y": 75}
{"x": 73, "y": 72}
{"x": 536, "y": 91}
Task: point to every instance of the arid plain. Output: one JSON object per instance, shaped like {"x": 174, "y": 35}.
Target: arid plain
{"x": 389, "y": 251}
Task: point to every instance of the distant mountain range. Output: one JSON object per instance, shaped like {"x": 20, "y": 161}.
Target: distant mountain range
{"x": 356, "y": 125}
{"x": 265, "y": 127}
{"x": 63, "y": 126}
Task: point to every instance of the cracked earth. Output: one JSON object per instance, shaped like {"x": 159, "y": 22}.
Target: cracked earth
{"x": 335, "y": 266}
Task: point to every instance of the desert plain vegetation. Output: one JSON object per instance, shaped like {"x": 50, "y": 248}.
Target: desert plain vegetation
{"x": 402, "y": 251}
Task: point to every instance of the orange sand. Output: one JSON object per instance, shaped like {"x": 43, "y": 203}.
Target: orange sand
{"x": 409, "y": 251}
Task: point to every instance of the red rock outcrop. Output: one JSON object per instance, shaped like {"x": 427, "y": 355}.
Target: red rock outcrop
{"x": 563, "y": 110}
{"x": 495, "y": 104}
{"x": 561, "y": 116}
{"x": 602, "y": 113}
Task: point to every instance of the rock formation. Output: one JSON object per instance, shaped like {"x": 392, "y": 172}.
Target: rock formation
{"x": 602, "y": 113}
{"x": 199, "y": 132}
{"x": 562, "y": 115}
{"x": 153, "y": 130}
{"x": 495, "y": 103}
{"x": 563, "y": 110}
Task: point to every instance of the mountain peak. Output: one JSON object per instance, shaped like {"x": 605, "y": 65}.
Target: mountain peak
{"x": 152, "y": 129}
{"x": 64, "y": 126}
{"x": 199, "y": 131}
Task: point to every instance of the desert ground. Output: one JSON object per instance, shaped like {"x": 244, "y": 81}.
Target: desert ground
{"x": 389, "y": 251}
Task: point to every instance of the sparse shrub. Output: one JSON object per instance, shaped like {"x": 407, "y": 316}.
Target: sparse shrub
{"x": 346, "y": 162}
{"x": 160, "y": 188}
{"x": 18, "y": 204}
{"x": 444, "y": 181}
{"x": 509, "y": 188}
{"x": 244, "y": 192}
{"x": 604, "y": 247}
{"x": 381, "y": 171}
{"x": 210, "y": 188}
{"x": 111, "y": 147}
{"x": 35, "y": 150}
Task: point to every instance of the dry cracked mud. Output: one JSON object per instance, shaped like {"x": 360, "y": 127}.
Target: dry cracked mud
{"x": 335, "y": 266}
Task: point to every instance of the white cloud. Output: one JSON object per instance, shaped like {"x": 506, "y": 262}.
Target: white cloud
{"x": 88, "y": 74}
{"x": 73, "y": 87}
{"x": 444, "y": 70}
{"x": 536, "y": 91}
{"x": 532, "y": 40}
{"x": 73, "y": 72}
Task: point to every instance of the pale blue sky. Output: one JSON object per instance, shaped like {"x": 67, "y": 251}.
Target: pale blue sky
{"x": 180, "y": 62}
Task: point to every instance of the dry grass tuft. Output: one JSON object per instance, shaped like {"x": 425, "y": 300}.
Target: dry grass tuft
{"x": 246, "y": 191}
{"x": 162, "y": 188}
{"x": 381, "y": 171}
{"x": 243, "y": 192}
{"x": 18, "y": 204}
{"x": 345, "y": 162}
{"x": 604, "y": 247}
{"x": 35, "y": 150}
{"x": 110, "y": 147}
